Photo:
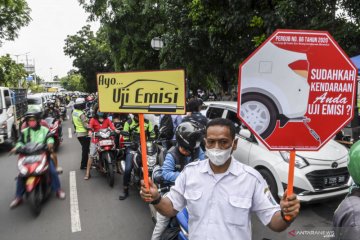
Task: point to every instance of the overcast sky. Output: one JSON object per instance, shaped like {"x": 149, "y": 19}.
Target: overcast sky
{"x": 43, "y": 38}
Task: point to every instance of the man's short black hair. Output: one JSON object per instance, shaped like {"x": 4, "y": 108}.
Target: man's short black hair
{"x": 193, "y": 105}
{"x": 223, "y": 122}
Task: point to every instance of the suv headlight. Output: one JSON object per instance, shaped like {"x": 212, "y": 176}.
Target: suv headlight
{"x": 299, "y": 161}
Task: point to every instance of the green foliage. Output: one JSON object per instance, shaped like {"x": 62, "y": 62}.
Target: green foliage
{"x": 91, "y": 54}
{"x": 11, "y": 72}
{"x": 73, "y": 82}
{"x": 209, "y": 39}
{"x": 14, "y": 14}
{"x": 35, "y": 88}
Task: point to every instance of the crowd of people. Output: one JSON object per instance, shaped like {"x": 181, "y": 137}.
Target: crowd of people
{"x": 218, "y": 191}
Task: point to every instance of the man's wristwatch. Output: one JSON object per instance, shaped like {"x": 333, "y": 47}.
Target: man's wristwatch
{"x": 285, "y": 220}
{"x": 156, "y": 201}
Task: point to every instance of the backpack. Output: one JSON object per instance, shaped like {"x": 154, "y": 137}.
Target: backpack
{"x": 166, "y": 127}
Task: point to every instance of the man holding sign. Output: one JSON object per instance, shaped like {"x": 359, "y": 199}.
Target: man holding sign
{"x": 220, "y": 192}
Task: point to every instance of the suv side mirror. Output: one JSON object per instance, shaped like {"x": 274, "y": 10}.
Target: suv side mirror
{"x": 245, "y": 133}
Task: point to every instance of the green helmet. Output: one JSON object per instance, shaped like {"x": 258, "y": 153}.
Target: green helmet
{"x": 354, "y": 162}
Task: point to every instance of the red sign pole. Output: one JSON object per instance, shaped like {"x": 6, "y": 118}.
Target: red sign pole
{"x": 290, "y": 186}
{"x": 143, "y": 150}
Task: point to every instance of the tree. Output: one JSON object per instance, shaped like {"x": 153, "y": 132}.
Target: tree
{"x": 73, "y": 82}
{"x": 209, "y": 39}
{"x": 14, "y": 14}
{"x": 91, "y": 54}
{"x": 11, "y": 72}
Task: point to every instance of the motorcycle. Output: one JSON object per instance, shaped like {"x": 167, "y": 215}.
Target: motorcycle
{"x": 54, "y": 125}
{"x": 105, "y": 162}
{"x": 63, "y": 112}
{"x": 180, "y": 222}
{"x": 33, "y": 165}
{"x": 154, "y": 154}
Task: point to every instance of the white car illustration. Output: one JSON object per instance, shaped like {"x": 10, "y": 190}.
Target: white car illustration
{"x": 273, "y": 87}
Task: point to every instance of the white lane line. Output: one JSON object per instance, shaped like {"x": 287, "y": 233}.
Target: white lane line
{"x": 74, "y": 204}
{"x": 70, "y": 134}
{"x": 68, "y": 117}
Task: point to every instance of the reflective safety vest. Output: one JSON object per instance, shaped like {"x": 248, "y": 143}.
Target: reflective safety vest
{"x": 79, "y": 127}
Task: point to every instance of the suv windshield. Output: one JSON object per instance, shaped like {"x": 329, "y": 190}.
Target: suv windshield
{"x": 34, "y": 101}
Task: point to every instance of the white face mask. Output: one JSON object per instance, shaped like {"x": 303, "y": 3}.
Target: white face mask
{"x": 218, "y": 156}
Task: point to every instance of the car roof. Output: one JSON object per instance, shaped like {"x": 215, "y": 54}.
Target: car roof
{"x": 232, "y": 104}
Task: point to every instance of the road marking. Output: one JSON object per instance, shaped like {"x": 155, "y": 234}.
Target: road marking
{"x": 68, "y": 117}
{"x": 74, "y": 204}
{"x": 70, "y": 134}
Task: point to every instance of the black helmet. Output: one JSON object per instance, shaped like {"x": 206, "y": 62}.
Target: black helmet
{"x": 33, "y": 114}
{"x": 189, "y": 135}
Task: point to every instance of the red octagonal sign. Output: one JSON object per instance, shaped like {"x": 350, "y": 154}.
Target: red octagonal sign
{"x": 297, "y": 90}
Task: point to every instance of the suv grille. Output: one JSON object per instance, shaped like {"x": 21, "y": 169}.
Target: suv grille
{"x": 329, "y": 178}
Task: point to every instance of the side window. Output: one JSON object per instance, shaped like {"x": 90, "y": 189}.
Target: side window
{"x": 214, "y": 113}
{"x": 7, "y": 98}
{"x": 232, "y": 116}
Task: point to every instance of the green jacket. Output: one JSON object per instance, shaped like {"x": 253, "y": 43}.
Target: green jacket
{"x": 79, "y": 121}
{"x": 131, "y": 127}
{"x": 36, "y": 136}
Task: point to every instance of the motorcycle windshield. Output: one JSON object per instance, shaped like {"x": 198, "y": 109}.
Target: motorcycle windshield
{"x": 33, "y": 159}
{"x": 32, "y": 148}
{"x": 49, "y": 120}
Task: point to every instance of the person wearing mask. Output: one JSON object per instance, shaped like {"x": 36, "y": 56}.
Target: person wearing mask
{"x": 81, "y": 129}
{"x": 99, "y": 121}
{"x": 220, "y": 193}
{"x": 37, "y": 134}
{"x": 346, "y": 220}
{"x": 132, "y": 128}
{"x": 188, "y": 138}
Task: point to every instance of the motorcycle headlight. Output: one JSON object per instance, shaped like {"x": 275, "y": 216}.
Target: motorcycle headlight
{"x": 41, "y": 166}
{"x": 151, "y": 160}
{"x": 23, "y": 170}
{"x": 299, "y": 161}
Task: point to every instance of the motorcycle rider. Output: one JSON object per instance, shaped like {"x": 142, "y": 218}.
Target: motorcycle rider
{"x": 81, "y": 129}
{"x": 132, "y": 127}
{"x": 99, "y": 121}
{"x": 54, "y": 112}
{"x": 188, "y": 137}
{"x": 38, "y": 134}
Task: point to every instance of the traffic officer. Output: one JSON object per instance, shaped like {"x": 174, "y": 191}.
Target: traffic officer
{"x": 80, "y": 125}
{"x": 131, "y": 126}
{"x": 220, "y": 193}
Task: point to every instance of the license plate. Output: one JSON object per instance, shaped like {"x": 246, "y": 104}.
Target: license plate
{"x": 106, "y": 142}
{"x": 333, "y": 181}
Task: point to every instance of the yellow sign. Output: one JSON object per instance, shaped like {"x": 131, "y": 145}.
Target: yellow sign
{"x": 160, "y": 92}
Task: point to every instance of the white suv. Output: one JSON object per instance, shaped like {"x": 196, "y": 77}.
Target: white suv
{"x": 318, "y": 174}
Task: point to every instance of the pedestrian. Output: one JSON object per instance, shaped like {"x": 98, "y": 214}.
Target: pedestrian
{"x": 212, "y": 96}
{"x": 81, "y": 129}
{"x": 194, "y": 108}
{"x": 226, "y": 97}
{"x": 346, "y": 221}
{"x": 220, "y": 193}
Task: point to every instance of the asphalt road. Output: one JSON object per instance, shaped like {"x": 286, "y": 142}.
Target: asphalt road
{"x": 102, "y": 215}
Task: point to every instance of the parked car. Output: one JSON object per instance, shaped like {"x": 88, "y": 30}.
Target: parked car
{"x": 318, "y": 175}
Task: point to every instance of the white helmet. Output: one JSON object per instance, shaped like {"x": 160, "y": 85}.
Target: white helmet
{"x": 80, "y": 101}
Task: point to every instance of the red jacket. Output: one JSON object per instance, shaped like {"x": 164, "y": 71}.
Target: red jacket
{"x": 95, "y": 125}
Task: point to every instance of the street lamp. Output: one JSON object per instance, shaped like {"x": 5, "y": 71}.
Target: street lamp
{"x": 157, "y": 43}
